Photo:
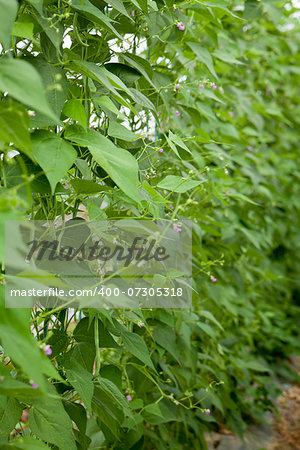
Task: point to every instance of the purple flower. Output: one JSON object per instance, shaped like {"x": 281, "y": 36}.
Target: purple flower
{"x": 207, "y": 412}
{"x": 231, "y": 114}
{"x": 158, "y": 113}
{"x": 48, "y": 350}
{"x": 34, "y": 385}
{"x": 180, "y": 26}
{"x": 141, "y": 324}
{"x": 171, "y": 207}
{"x": 160, "y": 150}
{"x": 250, "y": 148}
{"x": 213, "y": 86}
{"x": 176, "y": 403}
{"x": 128, "y": 398}
{"x": 177, "y": 86}
{"x": 171, "y": 395}
{"x": 201, "y": 86}
{"x": 176, "y": 228}
{"x": 132, "y": 14}
{"x": 178, "y": 113}
{"x": 213, "y": 279}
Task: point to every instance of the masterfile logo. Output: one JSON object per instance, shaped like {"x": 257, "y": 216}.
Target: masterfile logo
{"x": 124, "y": 263}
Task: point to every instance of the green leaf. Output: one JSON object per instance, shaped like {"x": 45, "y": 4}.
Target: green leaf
{"x": 174, "y": 138}
{"x": 86, "y": 186}
{"x": 14, "y": 124}
{"x": 118, "y": 131}
{"x": 85, "y": 333}
{"x": 118, "y": 6}
{"x": 112, "y": 391}
{"x": 103, "y": 76}
{"x": 25, "y": 443}
{"x": 22, "y": 82}
{"x": 166, "y": 338}
{"x": 207, "y": 329}
{"x": 56, "y": 87}
{"x": 203, "y": 56}
{"x": 54, "y": 155}
{"x": 94, "y": 14}
{"x": 221, "y": 4}
{"x": 113, "y": 373}
{"x": 24, "y": 29}
{"x": 178, "y": 184}
{"x": 84, "y": 353}
{"x": 77, "y": 413}
{"x": 15, "y": 388}
{"x": 135, "y": 345}
{"x": 208, "y": 315}
{"x": 81, "y": 380}
{"x": 141, "y": 65}
{"x": 141, "y": 99}
{"x": 37, "y": 4}
{"x": 49, "y": 421}
{"x": 22, "y": 347}
{"x": 226, "y": 57}
{"x": 10, "y": 414}
{"x": 75, "y": 110}
{"x": 121, "y": 166}
{"x": 242, "y": 197}
{"x": 107, "y": 103}
{"x": 9, "y": 10}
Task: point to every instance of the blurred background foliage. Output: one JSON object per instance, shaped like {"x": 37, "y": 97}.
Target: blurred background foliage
{"x": 154, "y": 110}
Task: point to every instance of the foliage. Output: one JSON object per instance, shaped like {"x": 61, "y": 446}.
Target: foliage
{"x": 152, "y": 110}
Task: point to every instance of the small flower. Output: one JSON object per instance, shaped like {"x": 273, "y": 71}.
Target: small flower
{"x": 31, "y": 113}
{"x": 66, "y": 186}
{"x": 231, "y": 114}
{"x": 176, "y": 87}
{"x": 213, "y": 279}
{"x": 160, "y": 150}
{"x": 207, "y": 412}
{"x": 34, "y": 385}
{"x": 171, "y": 207}
{"x": 171, "y": 395}
{"x": 176, "y": 228}
{"x": 48, "y": 350}
{"x": 128, "y": 398}
{"x": 180, "y": 26}
{"x": 227, "y": 193}
{"x": 178, "y": 113}
{"x": 250, "y": 148}
{"x": 176, "y": 403}
{"x": 146, "y": 176}
{"x": 132, "y": 14}
{"x": 158, "y": 113}
{"x": 213, "y": 86}
{"x": 141, "y": 324}
{"x": 226, "y": 172}
{"x": 201, "y": 86}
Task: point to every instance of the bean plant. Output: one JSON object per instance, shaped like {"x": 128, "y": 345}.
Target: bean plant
{"x": 146, "y": 109}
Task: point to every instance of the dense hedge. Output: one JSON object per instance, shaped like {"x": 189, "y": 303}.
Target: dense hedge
{"x": 206, "y": 91}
